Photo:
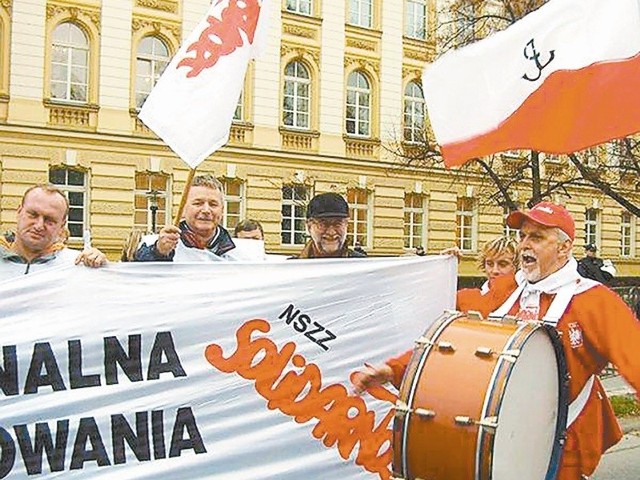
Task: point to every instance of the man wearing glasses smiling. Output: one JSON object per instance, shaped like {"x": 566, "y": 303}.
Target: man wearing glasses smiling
{"x": 327, "y": 221}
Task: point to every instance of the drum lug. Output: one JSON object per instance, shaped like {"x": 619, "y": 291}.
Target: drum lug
{"x": 424, "y": 413}
{"x": 462, "y": 420}
{"x": 474, "y": 315}
{"x": 490, "y": 423}
{"x": 509, "y": 320}
{"x": 510, "y": 355}
{"x": 484, "y": 352}
{"x": 446, "y": 346}
{"x": 424, "y": 341}
{"x": 401, "y": 408}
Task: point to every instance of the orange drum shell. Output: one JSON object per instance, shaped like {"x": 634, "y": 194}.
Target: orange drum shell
{"x": 451, "y": 383}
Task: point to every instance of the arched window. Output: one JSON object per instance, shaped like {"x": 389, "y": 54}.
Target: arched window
{"x": 358, "y": 105}
{"x": 69, "y": 64}
{"x": 297, "y": 95}
{"x": 413, "y": 113}
{"x": 151, "y": 60}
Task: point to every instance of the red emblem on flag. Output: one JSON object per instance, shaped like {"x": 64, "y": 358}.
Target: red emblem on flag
{"x": 223, "y": 36}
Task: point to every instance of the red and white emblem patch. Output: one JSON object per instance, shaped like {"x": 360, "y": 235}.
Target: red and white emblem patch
{"x": 575, "y": 335}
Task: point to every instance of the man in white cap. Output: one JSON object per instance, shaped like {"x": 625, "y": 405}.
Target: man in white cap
{"x": 595, "y": 324}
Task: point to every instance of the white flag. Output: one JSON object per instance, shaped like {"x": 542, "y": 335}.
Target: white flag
{"x": 560, "y": 80}
{"x": 192, "y": 105}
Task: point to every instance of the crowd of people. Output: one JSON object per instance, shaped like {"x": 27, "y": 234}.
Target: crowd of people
{"x": 524, "y": 279}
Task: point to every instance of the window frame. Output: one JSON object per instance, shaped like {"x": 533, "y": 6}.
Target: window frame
{"x": 68, "y": 50}
{"x": 297, "y": 8}
{"x": 152, "y": 59}
{"x": 359, "y": 108}
{"x": 411, "y": 211}
{"x": 592, "y": 227}
{"x": 355, "y": 207}
{"x": 357, "y": 17}
{"x": 297, "y": 83}
{"x": 230, "y": 198}
{"x": 164, "y": 194}
{"x": 627, "y": 235}
{"x": 67, "y": 189}
{"x": 417, "y": 107}
{"x": 411, "y": 22}
{"x": 294, "y": 202}
{"x": 466, "y": 220}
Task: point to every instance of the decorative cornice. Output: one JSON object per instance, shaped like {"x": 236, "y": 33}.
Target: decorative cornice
{"x": 422, "y": 55}
{"x": 6, "y": 4}
{"x": 411, "y": 72}
{"x": 305, "y": 52}
{"x": 155, "y": 26}
{"x": 74, "y": 13}
{"x": 362, "y": 64}
{"x": 299, "y": 31}
{"x": 169, "y": 6}
{"x": 361, "y": 44}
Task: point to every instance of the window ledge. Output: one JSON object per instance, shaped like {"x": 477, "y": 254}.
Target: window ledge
{"x": 241, "y": 133}
{"x": 301, "y": 140}
{"x": 361, "y": 147}
{"x": 72, "y": 115}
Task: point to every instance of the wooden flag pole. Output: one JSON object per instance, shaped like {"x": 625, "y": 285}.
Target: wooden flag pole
{"x": 185, "y": 194}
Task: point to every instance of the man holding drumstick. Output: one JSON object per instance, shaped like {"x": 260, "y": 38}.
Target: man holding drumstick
{"x": 595, "y": 324}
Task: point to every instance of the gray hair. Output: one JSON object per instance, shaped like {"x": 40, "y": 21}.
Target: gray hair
{"x": 209, "y": 181}
{"x": 563, "y": 237}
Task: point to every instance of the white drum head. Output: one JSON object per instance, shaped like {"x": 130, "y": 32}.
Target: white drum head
{"x": 527, "y": 418}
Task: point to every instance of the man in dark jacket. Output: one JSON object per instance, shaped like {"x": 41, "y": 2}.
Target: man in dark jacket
{"x": 593, "y": 267}
{"x": 327, "y": 222}
{"x": 199, "y": 237}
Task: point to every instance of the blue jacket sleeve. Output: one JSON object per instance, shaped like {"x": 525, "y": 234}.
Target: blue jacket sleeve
{"x": 149, "y": 253}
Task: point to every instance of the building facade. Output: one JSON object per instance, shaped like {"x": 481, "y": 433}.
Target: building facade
{"x": 337, "y": 82}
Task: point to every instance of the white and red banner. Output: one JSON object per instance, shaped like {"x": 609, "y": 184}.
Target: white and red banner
{"x": 192, "y": 105}
{"x": 227, "y": 371}
{"x": 562, "y": 79}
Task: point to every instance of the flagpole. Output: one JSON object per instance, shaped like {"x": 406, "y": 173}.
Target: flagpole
{"x": 185, "y": 194}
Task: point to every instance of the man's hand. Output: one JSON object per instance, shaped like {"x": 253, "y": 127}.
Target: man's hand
{"x": 91, "y": 257}
{"x": 371, "y": 377}
{"x": 167, "y": 240}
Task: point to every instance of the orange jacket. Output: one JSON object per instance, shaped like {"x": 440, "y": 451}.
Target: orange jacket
{"x": 596, "y": 328}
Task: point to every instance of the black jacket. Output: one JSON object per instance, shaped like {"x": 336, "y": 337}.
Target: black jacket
{"x": 591, "y": 267}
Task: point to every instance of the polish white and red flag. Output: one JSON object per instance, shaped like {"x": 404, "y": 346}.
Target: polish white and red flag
{"x": 562, "y": 79}
{"x": 191, "y": 106}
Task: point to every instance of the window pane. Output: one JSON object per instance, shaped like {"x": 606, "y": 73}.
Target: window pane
{"x": 75, "y": 229}
{"x": 76, "y": 198}
{"x": 57, "y": 176}
{"x": 75, "y": 214}
{"x": 76, "y": 178}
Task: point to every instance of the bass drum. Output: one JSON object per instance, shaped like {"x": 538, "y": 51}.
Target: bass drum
{"x": 482, "y": 400}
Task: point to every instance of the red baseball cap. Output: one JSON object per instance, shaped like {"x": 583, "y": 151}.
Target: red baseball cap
{"x": 547, "y": 214}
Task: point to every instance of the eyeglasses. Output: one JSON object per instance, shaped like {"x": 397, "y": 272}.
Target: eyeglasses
{"x": 325, "y": 223}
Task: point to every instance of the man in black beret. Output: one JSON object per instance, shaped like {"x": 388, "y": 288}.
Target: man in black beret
{"x": 327, "y": 221}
